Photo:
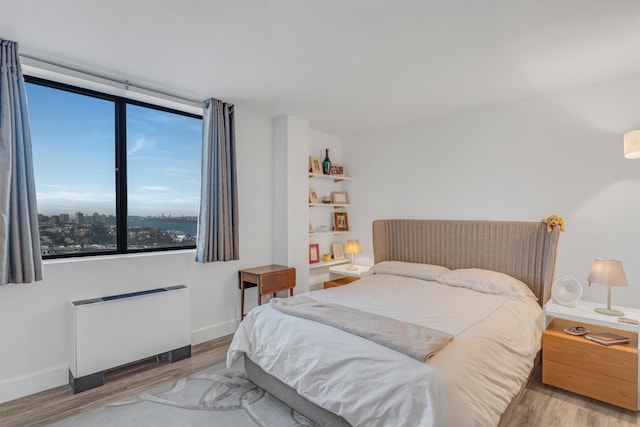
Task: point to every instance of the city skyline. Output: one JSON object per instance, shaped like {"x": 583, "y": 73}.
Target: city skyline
{"x": 74, "y": 156}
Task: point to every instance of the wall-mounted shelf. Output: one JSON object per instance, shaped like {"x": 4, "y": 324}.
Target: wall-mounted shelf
{"x": 334, "y": 178}
{"x": 336, "y": 205}
{"x": 327, "y": 233}
{"x": 328, "y": 264}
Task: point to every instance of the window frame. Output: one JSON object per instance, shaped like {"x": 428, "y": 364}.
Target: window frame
{"x": 120, "y": 167}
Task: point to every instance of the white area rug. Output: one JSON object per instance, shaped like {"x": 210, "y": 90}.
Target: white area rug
{"x": 214, "y": 397}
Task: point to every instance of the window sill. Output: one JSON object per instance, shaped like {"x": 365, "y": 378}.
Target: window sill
{"x": 117, "y": 256}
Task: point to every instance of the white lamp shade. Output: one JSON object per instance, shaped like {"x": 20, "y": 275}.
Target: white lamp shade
{"x": 632, "y": 144}
{"x": 352, "y": 247}
{"x": 607, "y": 272}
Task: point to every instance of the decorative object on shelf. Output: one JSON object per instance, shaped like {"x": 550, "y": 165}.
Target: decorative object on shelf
{"x": 576, "y": 330}
{"x": 310, "y": 228}
{"x": 340, "y": 198}
{"x": 566, "y": 291}
{"x": 326, "y": 257}
{"x": 607, "y": 272}
{"x": 326, "y": 199}
{"x": 607, "y": 338}
{"x": 632, "y": 144}
{"x": 314, "y": 253}
{"x": 326, "y": 163}
{"x": 352, "y": 247}
{"x": 340, "y": 221}
{"x": 322, "y": 228}
{"x": 315, "y": 164}
{"x": 338, "y": 251}
{"x": 313, "y": 197}
{"x": 552, "y": 221}
{"x": 337, "y": 169}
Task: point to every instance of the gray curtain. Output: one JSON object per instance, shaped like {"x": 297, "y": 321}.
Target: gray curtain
{"x": 218, "y": 219}
{"x": 20, "y": 258}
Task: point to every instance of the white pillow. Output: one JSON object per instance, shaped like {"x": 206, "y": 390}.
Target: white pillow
{"x": 487, "y": 281}
{"x": 409, "y": 269}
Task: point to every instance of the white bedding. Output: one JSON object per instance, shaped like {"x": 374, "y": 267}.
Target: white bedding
{"x": 468, "y": 383}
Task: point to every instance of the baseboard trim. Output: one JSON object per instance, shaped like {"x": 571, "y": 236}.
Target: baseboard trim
{"x": 211, "y": 332}
{"x": 35, "y": 382}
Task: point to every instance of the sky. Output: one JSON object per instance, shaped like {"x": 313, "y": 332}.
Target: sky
{"x": 73, "y": 141}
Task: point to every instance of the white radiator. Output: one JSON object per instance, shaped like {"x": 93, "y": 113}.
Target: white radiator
{"x": 119, "y": 329}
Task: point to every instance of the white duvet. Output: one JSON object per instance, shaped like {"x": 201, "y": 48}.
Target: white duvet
{"x": 468, "y": 383}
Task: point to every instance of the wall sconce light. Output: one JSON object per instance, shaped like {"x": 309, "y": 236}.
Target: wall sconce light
{"x": 632, "y": 144}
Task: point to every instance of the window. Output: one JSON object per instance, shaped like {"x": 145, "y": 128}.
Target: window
{"x": 112, "y": 175}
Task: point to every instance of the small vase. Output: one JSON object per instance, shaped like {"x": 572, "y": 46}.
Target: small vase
{"x": 326, "y": 163}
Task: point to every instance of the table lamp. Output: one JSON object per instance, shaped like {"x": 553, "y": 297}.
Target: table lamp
{"x": 632, "y": 144}
{"x": 607, "y": 272}
{"x": 352, "y": 247}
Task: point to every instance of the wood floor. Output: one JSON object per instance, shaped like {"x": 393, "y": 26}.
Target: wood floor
{"x": 541, "y": 406}
{"x": 52, "y": 405}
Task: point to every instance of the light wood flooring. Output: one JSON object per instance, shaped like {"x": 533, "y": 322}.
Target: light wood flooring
{"x": 541, "y": 405}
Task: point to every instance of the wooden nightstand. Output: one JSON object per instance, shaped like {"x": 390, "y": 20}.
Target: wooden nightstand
{"x": 340, "y": 275}
{"x": 339, "y": 282}
{"x": 573, "y": 363}
{"x": 342, "y": 270}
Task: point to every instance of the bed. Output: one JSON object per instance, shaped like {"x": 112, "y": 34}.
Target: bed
{"x": 336, "y": 378}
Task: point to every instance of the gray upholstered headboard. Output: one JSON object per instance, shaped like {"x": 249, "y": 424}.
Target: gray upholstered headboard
{"x": 524, "y": 250}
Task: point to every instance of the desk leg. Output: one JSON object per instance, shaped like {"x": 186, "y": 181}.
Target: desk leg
{"x": 241, "y": 299}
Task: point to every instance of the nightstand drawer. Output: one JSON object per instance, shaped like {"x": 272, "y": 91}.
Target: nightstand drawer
{"x": 591, "y": 384}
{"x": 614, "y": 361}
{"x": 339, "y": 282}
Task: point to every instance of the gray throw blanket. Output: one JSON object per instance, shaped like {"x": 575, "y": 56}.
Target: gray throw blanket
{"x": 419, "y": 342}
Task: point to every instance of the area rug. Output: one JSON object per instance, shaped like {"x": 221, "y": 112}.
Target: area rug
{"x": 214, "y": 397}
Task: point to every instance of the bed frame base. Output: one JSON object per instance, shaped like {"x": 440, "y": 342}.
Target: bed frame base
{"x": 322, "y": 417}
{"x": 290, "y": 397}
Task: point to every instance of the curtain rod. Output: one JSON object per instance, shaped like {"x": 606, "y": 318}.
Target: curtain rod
{"x": 126, "y": 83}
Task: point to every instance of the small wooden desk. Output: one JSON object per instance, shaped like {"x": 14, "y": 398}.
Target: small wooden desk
{"x": 269, "y": 279}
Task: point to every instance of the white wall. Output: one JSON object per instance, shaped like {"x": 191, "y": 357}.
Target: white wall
{"x": 291, "y": 143}
{"x": 558, "y": 154}
{"x": 34, "y": 336}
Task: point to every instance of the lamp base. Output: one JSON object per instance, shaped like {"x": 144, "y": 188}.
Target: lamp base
{"x": 352, "y": 268}
{"x": 609, "y": 312}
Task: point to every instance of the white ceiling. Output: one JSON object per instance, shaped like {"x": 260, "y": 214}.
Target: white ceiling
{"x": 348, "y": 66}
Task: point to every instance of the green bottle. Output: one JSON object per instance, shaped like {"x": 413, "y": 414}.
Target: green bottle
{"x": 326, "y": 163}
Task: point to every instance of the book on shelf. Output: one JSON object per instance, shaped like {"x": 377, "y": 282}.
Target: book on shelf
{"x": 607, "y": 338}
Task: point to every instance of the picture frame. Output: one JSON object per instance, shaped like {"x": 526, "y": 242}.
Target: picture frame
{"x": 340, "y": 221}
{"x": 337, "y": 169}
{"x": 315, "y": 164}
{"x": 313, "y": 197}
{"x": 340, "y": 198}
{"x": 314, "y": 253}
{"x": 338, "y": 250}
